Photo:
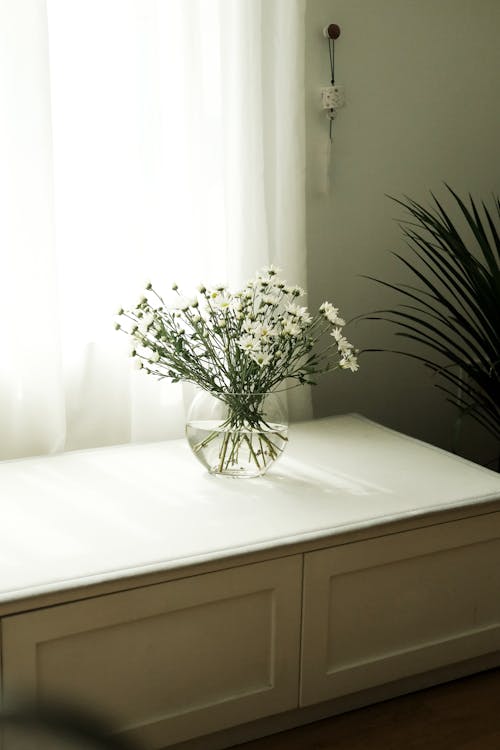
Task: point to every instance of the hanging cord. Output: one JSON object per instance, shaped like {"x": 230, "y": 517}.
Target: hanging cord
{"x": 331, "y": 51}
{"x": 332, "y": 99}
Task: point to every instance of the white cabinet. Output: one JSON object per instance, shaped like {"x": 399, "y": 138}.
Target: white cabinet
{"x": 171, "y": 661}
{"x": 180, "y": 605}
{"x": 398, "y": 605}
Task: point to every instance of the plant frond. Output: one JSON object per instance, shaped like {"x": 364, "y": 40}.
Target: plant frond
{"x": 452, "y": 308}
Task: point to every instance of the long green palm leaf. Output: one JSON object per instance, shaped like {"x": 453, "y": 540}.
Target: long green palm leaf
{"x": 452, "y": 310}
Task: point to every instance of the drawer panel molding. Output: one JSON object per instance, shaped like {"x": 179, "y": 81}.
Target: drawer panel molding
{"x": 396, "y": 606}
{"x": 171, "y": 661}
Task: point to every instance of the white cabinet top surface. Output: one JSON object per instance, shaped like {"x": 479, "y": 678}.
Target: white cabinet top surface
{"x": 96, "y": 515}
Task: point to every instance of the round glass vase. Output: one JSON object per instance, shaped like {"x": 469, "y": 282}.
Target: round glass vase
{"x": 237, "y": 434}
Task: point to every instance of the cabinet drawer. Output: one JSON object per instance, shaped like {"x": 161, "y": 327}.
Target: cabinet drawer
{"x": 167, "y": 662}
{"x": 387, "y": 608}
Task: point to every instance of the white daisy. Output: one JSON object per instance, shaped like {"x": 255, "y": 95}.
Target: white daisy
{"x": 290, "y": 328}
{"x": 295, "y": 291}
{"x": 270, "y": 299}
{"x": 349, "y": 362}
{"x": 248, "y": 343}
{"x": 264, "y": 332}
{"x": 271, "y": 270}
{"x": 292, "y": 309}
{"x": 222, "y": 301}
{"x": 261, "y": 358}
{"x": 250, "y": 326}
{"x": 146, "y": 322}
{"x": 344, "y": 346}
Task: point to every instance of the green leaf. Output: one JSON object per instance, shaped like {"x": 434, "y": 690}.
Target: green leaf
{"x": 452, "y": 309}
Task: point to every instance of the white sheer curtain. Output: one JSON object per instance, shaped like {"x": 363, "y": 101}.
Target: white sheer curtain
{"x": 159, "y": 139}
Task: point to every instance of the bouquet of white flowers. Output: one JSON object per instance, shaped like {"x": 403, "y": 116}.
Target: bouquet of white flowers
{"x": 238, "y": 346}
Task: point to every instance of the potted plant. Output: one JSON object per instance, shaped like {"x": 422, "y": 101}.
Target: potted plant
{"x": 450, "y": 312}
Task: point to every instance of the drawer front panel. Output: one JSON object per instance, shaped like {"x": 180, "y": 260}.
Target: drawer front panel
{"x": 388, "y": 608}
{"x": 171, "y": 661}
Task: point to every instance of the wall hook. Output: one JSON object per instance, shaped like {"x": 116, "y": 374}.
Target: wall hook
{"x": 332, "y": 31}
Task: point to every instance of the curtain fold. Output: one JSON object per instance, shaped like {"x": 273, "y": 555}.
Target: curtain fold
{"x": 32, "y": 416}
{"x": 140, "y": 139}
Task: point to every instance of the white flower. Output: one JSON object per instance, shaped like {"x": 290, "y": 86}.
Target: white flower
{"x": 183, "y": 304}
{"x": 120, "y": 311}
{"x": 221, "y": 301}
{"x": 291, "y": 329}
{"x": 349, "y": 362}
{"x": 146, "y": 322}
{"x": 331, "y": 313}
{"x": 138, "y": 363}
{"x": 292, "y": 309}
{"x": 295, "y": 291}
{"x": 270, "y": 299}
{"x": 263, "y": 331}
{"x": 250, "y": 326}
{"x": 262, "y": 358}
{"x": 301, "y": 313}
{"x": 271, "y": 270}
{"x": 248, "y": 343}
{"x": 155, "y": 357}
{"x": 337, "y": 334}
{"x": 344, "y": 346}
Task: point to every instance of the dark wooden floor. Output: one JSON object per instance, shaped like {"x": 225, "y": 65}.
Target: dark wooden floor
{"x": 460, "y": 715}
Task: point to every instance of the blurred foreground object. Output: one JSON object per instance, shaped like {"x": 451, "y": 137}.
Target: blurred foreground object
{"x": 30, "y": 727}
